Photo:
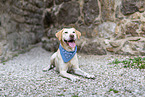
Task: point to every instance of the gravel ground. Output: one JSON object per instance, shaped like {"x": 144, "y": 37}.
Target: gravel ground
{"x": 23, "y": 77}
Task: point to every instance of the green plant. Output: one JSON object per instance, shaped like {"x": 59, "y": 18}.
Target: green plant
{"x": 60, "y": 95}
{"x": 75, "y": 96}
{"x": 136, "y": 62}
{"x": 116, "y": 61}
{"x": 4, "y": 63}
{"x": 115, "y": 91}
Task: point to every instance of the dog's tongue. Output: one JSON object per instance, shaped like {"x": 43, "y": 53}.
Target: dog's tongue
{"x": 72, "y": 44}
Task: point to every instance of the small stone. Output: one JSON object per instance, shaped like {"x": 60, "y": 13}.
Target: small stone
{"x": 116, "y": 29}
{"x": 110, "y": 49}
{"x": 143, "y": 28}
{"x": 136, "y": 15}
{"x": 141, "y": 9}
{"x": 114, "y": 44}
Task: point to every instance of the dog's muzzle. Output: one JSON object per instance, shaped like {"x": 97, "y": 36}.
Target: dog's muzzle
{"x": 70, "y": 43}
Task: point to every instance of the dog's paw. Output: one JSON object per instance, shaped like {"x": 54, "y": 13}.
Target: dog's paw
{"x": 90, "y": 76}
{"x": 75, "y": 79}
{"x": 45, "y": 70}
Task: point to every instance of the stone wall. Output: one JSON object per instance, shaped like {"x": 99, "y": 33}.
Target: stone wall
{"x": 107, "y": 26}
{"x": 20, "y": 26}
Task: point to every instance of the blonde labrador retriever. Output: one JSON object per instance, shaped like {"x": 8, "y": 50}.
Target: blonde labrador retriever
{"x": 65, "y": 59}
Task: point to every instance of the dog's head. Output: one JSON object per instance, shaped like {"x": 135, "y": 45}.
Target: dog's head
{"x": 68, "y": 36}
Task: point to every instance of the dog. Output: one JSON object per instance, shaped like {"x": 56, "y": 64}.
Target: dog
{"x": 65, "y": 59}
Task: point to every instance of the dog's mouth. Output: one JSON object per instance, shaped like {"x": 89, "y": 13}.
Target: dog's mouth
{"x": 70, "y": 43}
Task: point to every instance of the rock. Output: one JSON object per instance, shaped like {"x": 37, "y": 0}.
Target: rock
{"x": 2, "y": 33}
{"x": 17, "y": 41}
{"x": 1, "y": 47}
{"x": 117, "y": 12}
{"x": 110, "y": 49}
{"x": 7, "y": 24}
{"x": 87, "y": 32}
{"x": 144, "y": 47}
{"x": 68, "y": 13}
{"x": 144, "y": 15}
{"x": 131, "y": 29}
{"x": 127, "y": 50}
{"x": 107, "y": 10}
{"x": 93, "y": 48}
{"x": 50, "y": 44}
{"x": 90, "y": 11}
{"x": 51, "y": 32}
{"x": 143, "y": 28}
{"x": 49, "y": 3}
{"x": 58, "y": 1}
{"x": 136, "y": 46}
{"x": 106, "y": 30}
{"x": 61, "y": 1}
{"x": 119, "y": 32}
{"x": 117, "y": 29}
{"x": 114, "y": 44}
{"x": 142, "y": 34}
{"x": 136, "y": 15}
{"x": 129, "y": 7}
{"x": 25, "y": 22}
{"x": 48, "y": 19}
{"x": 132, "y": 48}
{"x": 38, "y": 3}
{"x": 142, "y": 53}
{"x": 106, "y": 41}
{"x": 141, "y": 9}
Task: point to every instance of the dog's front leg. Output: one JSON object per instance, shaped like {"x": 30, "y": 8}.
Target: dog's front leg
{"x": 69, "y": 76}
{"x": 78, "y": 71}
{"x": 63, "y": 67}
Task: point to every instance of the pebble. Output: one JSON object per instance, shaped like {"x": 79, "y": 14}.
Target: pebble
{"x": 23, "y": 76}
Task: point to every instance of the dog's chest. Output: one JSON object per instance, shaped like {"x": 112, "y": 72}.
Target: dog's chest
{"x": 67, "y": 55}
{"x": 69, "y": 66}
{"x": 72, "y": 62}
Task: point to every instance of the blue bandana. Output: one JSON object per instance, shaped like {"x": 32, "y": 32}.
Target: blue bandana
{"x": 67, "y": 55}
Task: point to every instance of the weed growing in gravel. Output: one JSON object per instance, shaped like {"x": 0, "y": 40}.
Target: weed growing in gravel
{"x": 4, "y": 63}
{"x": 115, "y": 91}
{"x": 75, "y": 96}
{"x": 2, "y": 60}
{"x": 136, "y": 62}
{"x": 60, "y": 95}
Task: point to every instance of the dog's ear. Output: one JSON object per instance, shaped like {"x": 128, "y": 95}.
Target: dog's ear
{"x": 78, "y": 33}
{"x": 59, "y": 34}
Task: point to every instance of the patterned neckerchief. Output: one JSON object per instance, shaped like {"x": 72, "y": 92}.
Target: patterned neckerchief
{"x": 67, "y": 55}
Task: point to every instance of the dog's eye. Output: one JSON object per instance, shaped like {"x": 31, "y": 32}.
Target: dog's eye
{"x": 73, "y": 32}
{"x": 65, "y": 32}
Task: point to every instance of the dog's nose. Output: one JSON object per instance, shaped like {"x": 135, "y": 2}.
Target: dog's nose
{"x": 71, "y": 36}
